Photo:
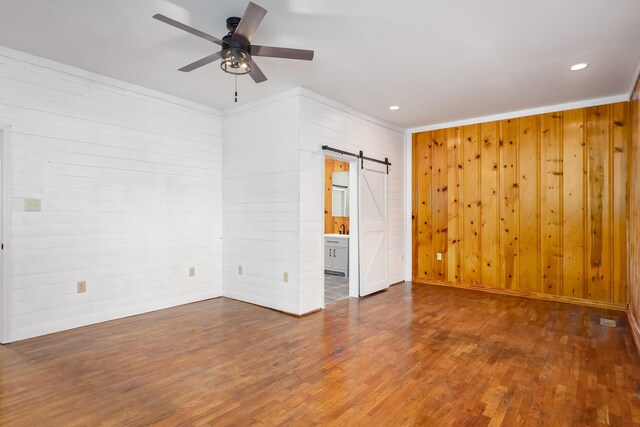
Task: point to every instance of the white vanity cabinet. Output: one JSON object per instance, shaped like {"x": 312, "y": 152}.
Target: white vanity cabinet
{"x": 336, "y": 253}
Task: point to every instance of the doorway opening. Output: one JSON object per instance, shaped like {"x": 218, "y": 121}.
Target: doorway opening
{"x": 340, "y": 229}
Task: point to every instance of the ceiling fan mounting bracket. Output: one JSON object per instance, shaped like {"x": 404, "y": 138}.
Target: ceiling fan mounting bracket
{"x": 232, "y": 24}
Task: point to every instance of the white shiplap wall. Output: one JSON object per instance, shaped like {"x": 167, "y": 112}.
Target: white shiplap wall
{"x": 324, "y": 122}
{"x": 273, "y": 195}
{"x": 130, "y": 182}
{"x": 261, "y": 202}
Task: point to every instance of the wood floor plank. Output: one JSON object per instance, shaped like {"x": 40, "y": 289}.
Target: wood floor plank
{"x": 414, "y": 355}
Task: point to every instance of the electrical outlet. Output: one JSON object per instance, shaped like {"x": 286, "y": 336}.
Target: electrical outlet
{"x": 192, "y": 271}
{"x": 240, "y": 270}
{"x": 439, "y": 256}
{"x": 285, "y": 277}
{"x": 82, "y": 287}
{"x": 32, "y": 205}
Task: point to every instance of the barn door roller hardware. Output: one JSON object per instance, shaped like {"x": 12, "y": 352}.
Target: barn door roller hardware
{"x": 360, "y": 156}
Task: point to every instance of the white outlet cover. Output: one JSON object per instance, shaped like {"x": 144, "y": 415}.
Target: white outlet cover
{"x": 439, "y": 256}
{"x": 32, "y": 205}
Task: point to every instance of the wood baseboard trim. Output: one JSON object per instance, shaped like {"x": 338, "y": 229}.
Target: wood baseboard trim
{"x": 635, "y": 327}
{"x": 530, "y": 295}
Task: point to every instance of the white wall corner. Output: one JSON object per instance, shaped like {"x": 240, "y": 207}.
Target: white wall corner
{"x": 263, "y": 102}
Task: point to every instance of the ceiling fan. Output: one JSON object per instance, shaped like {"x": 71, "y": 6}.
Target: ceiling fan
{"x": 237, "y": 50}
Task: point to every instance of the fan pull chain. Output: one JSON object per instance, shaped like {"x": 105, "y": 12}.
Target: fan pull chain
{"x": 236, "y": 88}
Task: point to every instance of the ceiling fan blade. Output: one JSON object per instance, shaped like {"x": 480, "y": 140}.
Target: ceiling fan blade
{"x": 187, "y": 28}
{"x": 201, "y": 62}
{"x": 256, "y": 73}
{"x": 249, "y": 23}
{"x": 281, "y": 52}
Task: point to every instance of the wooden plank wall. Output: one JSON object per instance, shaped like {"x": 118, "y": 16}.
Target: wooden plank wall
{"x": 534, "y": 205}
{"x": 332, "y": 224}
{"x": 634, "y": 214}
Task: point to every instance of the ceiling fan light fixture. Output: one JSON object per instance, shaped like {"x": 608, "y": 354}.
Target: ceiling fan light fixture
{"x": 235, "y": 61}
{"x": 236, "y": 47}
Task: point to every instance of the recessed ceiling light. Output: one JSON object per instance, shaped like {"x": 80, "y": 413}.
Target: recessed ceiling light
{"x": 578, "y": 67}
{"x": 394, "y": 107}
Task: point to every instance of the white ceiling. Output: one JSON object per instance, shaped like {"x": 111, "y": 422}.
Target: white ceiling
{"x": 439, "y": 60}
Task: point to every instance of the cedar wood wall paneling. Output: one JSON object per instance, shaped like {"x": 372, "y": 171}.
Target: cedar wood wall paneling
{"x": 634, "y": 213}
{"x": 332, "y": 224}
{"x": 534, "y": 205}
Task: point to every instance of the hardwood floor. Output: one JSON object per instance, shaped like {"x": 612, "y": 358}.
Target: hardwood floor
{"x": 416, "y": 354}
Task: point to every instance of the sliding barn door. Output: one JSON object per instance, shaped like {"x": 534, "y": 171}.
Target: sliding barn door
{"x": 374, "y": 269}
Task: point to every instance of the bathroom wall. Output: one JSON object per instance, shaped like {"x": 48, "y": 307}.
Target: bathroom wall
{"x": 333, "y": 224}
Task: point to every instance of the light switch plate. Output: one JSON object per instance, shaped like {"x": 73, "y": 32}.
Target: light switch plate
{"x": 192, "y": 271}
{"x": 82, "y": 287}
{"x": 285, "y": 277}
{"x": 32, "y": 205}
{"x": 240, "y": 270}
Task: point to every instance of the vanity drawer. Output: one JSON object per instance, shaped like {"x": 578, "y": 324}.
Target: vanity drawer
{"x": 337, "y": 241}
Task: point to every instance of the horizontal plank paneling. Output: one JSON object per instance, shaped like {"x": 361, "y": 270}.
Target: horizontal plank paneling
{"x": 322, "y": 123}
{"x": 332, "y": 224}
{"x": 260, "y": 183}
{"x": 130, "y": 183}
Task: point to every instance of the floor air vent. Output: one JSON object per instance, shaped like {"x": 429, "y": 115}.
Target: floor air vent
{"x": 608, "y": 322}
